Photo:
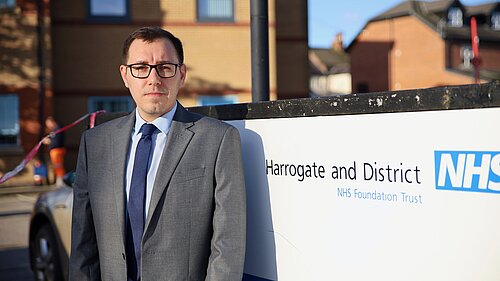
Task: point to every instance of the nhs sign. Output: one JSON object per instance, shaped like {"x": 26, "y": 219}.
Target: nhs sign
{"x": 476, "y": 171}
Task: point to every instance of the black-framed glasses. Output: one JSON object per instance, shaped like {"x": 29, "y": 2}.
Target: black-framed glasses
{"x": 143, "y": 70}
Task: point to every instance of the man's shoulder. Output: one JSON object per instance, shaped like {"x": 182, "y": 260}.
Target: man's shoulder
{"x": 200, "y": 121}
{"x": 108, "y": 125}
{"x": 208, "y": 123}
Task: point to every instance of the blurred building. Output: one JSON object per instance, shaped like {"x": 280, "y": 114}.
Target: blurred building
{"x": 26, "y": 96}
{"x": 83, "y": 41}
{"x": 329, "y": 70}
{"x": 419, "y": 44}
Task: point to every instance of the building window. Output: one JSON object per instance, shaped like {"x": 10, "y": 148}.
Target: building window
{"x": 217, "y": 100}
{"x": 7, "y": 4}
{"x": 111, "y": 104}
{"x": 495, "y": 20}
{"x": 455, "y": 17}
{"x": 108, "y": 10}
{"x": 215, "y": 10}
{"x": 467, "y": 55}
{"x": 9, "y": 120}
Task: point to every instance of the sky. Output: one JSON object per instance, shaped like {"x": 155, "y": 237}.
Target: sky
{"x": 329, "y": 17}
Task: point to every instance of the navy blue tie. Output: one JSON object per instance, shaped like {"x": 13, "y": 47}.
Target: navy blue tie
{"x": 136, "y": 201}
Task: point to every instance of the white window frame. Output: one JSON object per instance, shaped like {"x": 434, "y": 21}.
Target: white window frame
{"x": 495, "y": 20}
{"x": 215, "y": 10}
{"x": 108, "y": 10}
{"x": 467, "y": 55}
{"x": 455, "y": 17}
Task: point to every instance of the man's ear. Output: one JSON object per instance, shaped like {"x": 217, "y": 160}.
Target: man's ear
{"x": 123, "y": 74}
{"x": 183, "y": 70}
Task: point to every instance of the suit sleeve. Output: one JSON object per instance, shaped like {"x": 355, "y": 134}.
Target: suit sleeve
{"x": 229, "y": 223}
{"x": 84, "y": 258}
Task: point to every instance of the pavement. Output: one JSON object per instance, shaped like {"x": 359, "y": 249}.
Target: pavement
{"x": 15, "y": 265}
{"x": 16, "y": 205}
{"x": 26, "y": 189}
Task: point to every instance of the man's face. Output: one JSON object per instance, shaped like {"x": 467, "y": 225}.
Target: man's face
{"x": 153, "y": 95}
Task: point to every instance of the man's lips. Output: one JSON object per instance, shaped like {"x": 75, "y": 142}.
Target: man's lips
{"x": 155, "y": 94}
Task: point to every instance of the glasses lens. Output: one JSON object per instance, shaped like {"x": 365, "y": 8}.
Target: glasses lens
{"x": 140, "y": 70}
{"x": 166, "y": 70}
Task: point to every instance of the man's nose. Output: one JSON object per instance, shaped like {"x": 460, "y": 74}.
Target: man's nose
{"x": 154, "y": 78}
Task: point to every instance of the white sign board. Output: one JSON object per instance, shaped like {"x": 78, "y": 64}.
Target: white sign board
{"x": 394, "y": 196}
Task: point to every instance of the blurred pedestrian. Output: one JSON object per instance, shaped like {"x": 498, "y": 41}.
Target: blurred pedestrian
{"x": 39, "y": 172}
{"x": 56, "y": 149}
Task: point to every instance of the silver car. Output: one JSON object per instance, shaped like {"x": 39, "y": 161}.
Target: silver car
{"x": 50, "y": 233}
{"x": 50, "y": 227}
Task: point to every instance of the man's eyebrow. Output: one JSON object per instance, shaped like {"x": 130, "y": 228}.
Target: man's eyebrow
{"x": 166, "y": 61}
{"x": 140, "y": 62}
{"x": 159, "y": 62}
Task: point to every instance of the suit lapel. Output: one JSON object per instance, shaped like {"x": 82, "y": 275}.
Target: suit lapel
{"x": 178, "y": 139}
{"x": 120, "y": 143}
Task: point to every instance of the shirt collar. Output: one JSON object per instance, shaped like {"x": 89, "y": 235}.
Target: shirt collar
{"x": 162, "y": 123}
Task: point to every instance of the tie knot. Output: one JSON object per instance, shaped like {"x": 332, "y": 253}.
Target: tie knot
{"x": 148, "y": 129}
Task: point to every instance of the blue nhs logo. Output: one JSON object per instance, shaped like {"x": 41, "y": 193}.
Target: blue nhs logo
{"x": 476, "y": 171}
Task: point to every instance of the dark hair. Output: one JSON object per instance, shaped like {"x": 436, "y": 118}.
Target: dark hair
{"x": 150, "y": 34}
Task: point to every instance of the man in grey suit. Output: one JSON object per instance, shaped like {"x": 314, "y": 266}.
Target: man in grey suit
{"x": 162, "y": 202}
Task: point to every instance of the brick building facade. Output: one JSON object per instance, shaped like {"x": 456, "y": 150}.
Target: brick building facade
{"x": 84, "y": 40}
{"x": 416, "y": 45}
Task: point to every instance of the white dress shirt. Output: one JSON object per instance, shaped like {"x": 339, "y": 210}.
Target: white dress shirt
{"x": 159, "y": 138}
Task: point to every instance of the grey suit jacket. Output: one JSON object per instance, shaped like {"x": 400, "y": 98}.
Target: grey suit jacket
{"x": 195, "y": 229}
